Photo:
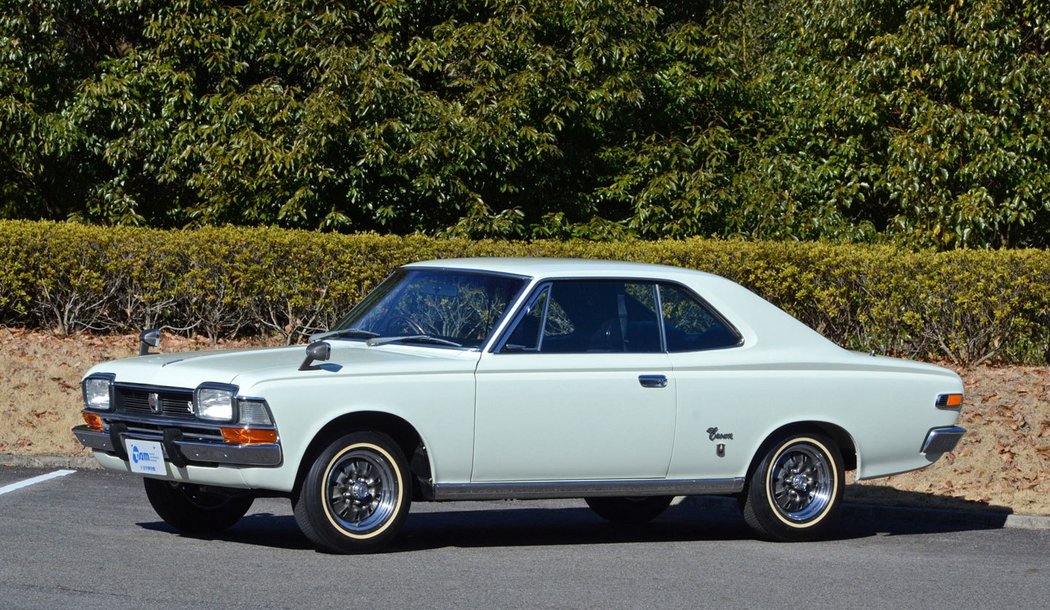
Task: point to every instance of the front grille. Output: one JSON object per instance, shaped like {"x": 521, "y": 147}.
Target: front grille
{"x": 187, "y": 432}
{"x": 173, "y": 402}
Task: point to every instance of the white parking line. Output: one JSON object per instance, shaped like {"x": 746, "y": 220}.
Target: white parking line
{"x": 34, "y": 481}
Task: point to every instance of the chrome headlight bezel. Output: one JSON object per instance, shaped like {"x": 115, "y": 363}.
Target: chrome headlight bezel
{"x": 97, "y": 391}
{"x": 215, "y": 402}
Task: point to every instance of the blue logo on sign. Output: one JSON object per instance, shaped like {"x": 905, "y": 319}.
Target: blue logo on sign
{"x": 140, "y": 456}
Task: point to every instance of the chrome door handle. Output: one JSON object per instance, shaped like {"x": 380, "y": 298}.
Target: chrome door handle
{"x": 652, "y": 381}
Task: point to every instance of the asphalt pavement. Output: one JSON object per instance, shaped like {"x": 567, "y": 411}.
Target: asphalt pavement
{"x": 89, "y": 539}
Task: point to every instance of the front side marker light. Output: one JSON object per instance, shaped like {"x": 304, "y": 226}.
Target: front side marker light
{"x": 949, "y": 401}
{"x": 93, "y": 421}
{"x": 249, "y": 436}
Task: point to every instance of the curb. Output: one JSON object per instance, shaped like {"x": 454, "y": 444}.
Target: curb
{"x": 49, "y": 461}
{"x": 986, "y": 519}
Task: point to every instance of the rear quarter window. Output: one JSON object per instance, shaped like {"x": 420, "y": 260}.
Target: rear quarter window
{"x": 691, "y": 325}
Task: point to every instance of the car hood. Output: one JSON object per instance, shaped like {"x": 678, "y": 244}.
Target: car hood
{"x": 248, "y": 367}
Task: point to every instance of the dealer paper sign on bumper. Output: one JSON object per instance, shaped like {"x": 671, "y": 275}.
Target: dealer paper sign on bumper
{"x": 145, "y": 457}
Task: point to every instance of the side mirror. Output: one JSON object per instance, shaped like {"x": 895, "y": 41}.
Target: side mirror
{"x": 318, "y": 350}
{"x": 147, "y": 339}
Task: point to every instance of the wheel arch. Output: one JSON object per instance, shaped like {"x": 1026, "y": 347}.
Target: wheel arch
{"x": 842, "y": 439}
{"x": 400, "y": 430}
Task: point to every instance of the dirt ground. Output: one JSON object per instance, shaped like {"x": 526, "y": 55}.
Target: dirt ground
{"x": 1003, "y": 462}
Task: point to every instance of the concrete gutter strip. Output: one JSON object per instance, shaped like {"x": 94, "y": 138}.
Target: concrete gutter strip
{"x": 1028, "y": 522}
{"x": 49, "y": 461}
{"x": 704, "y": 503}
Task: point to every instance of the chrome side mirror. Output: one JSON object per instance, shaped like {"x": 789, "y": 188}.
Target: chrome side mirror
{"x": 147, "y": 339}
{"x": 319, "y": 351}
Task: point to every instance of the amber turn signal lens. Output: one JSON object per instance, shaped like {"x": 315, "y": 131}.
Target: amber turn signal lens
{"x": 248, "y": 436}
{"x": 949, "y": 401}
{"x": 93, "y": 421}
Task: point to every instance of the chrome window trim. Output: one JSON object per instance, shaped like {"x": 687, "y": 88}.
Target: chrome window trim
{"x": 660, "y": 322}
{"x": 537, "y": 288}
{"x": 520, "y": 312}
{"x": 713, "y": 311}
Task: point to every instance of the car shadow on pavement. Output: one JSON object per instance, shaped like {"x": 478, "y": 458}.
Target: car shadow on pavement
{"x": 885, "y": 495}
{"x": 525, "y": 524}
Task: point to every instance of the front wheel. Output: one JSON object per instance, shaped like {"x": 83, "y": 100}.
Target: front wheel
{"x": 628, "y": 510}
{"x": 356, "y": 494}
{"x": 196, "y": 509}
{"x": 796, "y": 489}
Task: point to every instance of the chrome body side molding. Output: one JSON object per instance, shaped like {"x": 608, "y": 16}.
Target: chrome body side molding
{"x": 586, "y": 489}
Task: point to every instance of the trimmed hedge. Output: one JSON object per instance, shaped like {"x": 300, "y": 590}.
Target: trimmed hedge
{"x": 966, "y": 306}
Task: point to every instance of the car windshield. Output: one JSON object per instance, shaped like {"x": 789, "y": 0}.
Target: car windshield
{"x": 433, "y": 307}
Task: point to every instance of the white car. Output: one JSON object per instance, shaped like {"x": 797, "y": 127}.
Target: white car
{"x": 623, "y": 384}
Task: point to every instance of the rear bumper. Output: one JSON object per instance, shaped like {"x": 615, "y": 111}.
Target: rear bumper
{"x": 942, "y": 440}
{"x": 180, "y": 451}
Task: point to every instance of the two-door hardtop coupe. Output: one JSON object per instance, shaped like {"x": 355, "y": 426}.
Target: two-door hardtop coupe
{"x": 623, "y": 384}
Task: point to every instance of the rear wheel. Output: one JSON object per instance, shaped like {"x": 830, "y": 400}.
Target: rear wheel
{"x": 795, "y": 491}
{"x": 356, "y": 494}
{"x": 630, "y": 509}
{"x": 196, "y": 509}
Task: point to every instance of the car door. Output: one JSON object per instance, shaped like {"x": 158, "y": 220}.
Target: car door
{"x": 580, "y": 389}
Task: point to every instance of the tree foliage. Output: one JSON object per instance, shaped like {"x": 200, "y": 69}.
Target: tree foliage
{"x": 916, "y": 121}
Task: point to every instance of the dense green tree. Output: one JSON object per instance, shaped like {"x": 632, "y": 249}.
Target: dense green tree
{"x": 481, "y": 117}
{"x": 917, "y": 121}
{"x": 929, "y": 121}
{"x": 47, "y": 49}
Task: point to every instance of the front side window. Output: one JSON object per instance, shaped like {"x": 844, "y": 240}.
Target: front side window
{"x": 589, "y": 316}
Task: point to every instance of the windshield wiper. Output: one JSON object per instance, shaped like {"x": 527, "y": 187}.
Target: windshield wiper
{"x": 412, "y": 339}
{"x": 349, "y": 333}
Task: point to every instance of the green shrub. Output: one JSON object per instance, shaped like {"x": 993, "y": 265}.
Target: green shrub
{"x": 967, "y": 306}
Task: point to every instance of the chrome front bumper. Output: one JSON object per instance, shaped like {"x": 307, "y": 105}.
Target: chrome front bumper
{"x": 180, "y": 451}
{"x": 942, "y": 440}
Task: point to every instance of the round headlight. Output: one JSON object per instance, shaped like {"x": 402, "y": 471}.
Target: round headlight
{"x": 96, "y": 393}
{"x": 214, "y": 403}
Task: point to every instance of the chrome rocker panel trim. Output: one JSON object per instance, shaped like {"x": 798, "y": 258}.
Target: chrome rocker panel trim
{"x": 194, "y": 451}
{"x": 586, "y": 489}
{"x": 942, "y": 440}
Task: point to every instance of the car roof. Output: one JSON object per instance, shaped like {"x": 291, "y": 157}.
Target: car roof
{"x": 559, "y": 267}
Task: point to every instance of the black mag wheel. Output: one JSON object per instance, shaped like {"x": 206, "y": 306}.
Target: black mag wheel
{"x": 356, "y": 494}
{"x": 629, "y": 509}
{"x": 796, "y": 489}
{"x": 196, "y": 509}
